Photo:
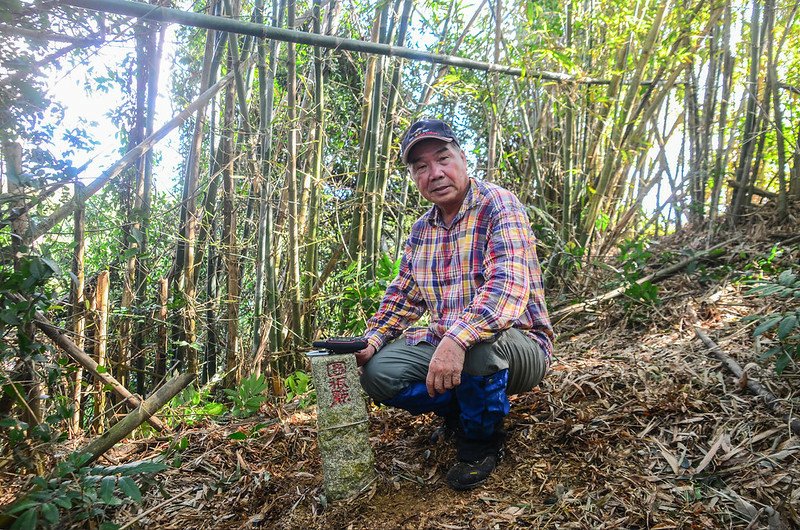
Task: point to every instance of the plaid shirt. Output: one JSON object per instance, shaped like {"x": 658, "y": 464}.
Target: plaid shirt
{"x": 476, "y": 278}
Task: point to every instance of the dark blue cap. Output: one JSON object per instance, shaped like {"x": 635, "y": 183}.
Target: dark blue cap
{"x": 423, "y": 130}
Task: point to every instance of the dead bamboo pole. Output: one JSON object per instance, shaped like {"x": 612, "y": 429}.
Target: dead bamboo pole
{"x": 78, "y": 200}
{"x": 142, "y": 413}
{"x": 200, "y": 20}
{"x": 82, "y": 358}
{"x": 770, "y": 400}
{"x": 100, "y": 318}
{"x": 583, "y": 306}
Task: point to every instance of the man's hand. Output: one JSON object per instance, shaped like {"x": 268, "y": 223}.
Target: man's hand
{"x": 365, "y": 355}
{"x": 444, "y": 370}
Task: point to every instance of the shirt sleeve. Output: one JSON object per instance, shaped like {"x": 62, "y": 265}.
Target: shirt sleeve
{"x": 402, "y": 305}
{"x": 502, "y": 299}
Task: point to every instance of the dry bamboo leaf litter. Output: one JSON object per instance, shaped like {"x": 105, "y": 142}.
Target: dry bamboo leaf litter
{"x": 636, "y": 426}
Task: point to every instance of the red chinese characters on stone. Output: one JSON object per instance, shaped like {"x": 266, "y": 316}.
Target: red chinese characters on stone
{"x": 340, "y": 392}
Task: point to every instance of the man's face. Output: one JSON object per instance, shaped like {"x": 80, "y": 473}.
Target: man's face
{"x": 439, "y": 169}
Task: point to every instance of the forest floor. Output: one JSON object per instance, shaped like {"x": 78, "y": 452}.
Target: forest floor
{"x": 635, "y": 426}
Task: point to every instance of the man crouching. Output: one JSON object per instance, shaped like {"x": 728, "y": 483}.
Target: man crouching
{"x": 471, "y": 263}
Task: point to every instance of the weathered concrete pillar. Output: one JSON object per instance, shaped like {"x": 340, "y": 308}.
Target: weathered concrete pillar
{"x": 348, "y": 464}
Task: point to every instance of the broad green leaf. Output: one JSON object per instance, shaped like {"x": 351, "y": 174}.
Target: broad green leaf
{"x": 144, "y": 467}
{"x": 53, "y": 265}
{"x": 781, "y": 363}
{"x": 130, "y": 489}
{"x": 107, "y": 489}
{"x": 22, "y": 506}
{"x": 769, "y": 353}
{"x": 767, "y": 325}
{"x": 238, "y": 435}
{"x": 26, "y": 521}
{"x": 214, "y": 409}
{"x": 786, "y": 326}
{"x": 787, "y": 278}
{"x": 50, "y": 513}
{"x": 63, "y": 502}
{"x": 7, "y": 422}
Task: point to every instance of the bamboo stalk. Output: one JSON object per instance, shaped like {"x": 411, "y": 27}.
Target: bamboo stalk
{"x": 384, "y": 158}
{"x": 163, "y": 14}
{"x": 78, "y": 310}
{"x": 229, "y": 237}
{"x": 100, "y": 315}
{"x": 145, "y": 411}
{"x": 21, "y": 243}
{"x": 163, "y": 336}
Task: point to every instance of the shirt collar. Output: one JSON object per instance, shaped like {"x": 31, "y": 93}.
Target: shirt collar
{"x": 471, "y": 199}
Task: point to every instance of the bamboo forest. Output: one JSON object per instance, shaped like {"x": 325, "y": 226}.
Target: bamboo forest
{"x": 193, "y": 193}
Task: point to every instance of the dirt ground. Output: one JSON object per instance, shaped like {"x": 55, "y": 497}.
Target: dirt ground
{"x": 635, "y": 426}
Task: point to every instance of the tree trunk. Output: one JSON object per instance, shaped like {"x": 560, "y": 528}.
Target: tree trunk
{"x": 494, "y": 96}
{"x": 310, "y": 273}
{"x": 265, "y": 328}
{"x": 21, "y": 243}
{"x": 183, "y": 288}
{"x": 229, "y": 240}
{"x": 357, "y": 232}
{"x": 142, "y": 207}
{"x": 772, "y": 86}
{"x": 721, "y": 155}
{"x": 131, "y": 191}
{"x": 78, "y": 309}
{"x": 162, "y": 343}
{"x": 293, "y": 287}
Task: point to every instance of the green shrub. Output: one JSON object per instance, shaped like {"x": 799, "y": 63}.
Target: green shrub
{"x": 191, "y": 406}
{"x": 76, "y": 496}
{"x": 299, "y": 385}
{"x": 248, "y": 396}
{"x": 782, "y": 324}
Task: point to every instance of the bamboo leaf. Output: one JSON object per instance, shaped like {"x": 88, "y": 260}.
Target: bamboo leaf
{"x": 782, "y": 363}
{"x": 767, "y": 325}
{"x": 786, "y": 326}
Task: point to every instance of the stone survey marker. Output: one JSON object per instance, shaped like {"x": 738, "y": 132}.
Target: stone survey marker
{"x": 348, "y": 465}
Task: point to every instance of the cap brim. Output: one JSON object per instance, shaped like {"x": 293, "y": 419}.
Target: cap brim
{"x": 420, "y": 138}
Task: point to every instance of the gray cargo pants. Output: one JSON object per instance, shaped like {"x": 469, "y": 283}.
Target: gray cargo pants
{"x": 397, "y": 365}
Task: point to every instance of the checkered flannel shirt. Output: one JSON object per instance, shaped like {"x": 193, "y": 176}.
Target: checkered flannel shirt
{"x": 477, "y": 277}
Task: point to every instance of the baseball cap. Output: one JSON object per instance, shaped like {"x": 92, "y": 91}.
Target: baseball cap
{"x": 423, "y": 130}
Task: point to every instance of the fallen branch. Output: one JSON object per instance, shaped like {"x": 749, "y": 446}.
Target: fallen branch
{"x": 143, "y": 412}
{"x": 752, "y": 189}
{"x": 583, "y": 306}
{"x": 770, "y": 400}
{"x": 82, "y": 358}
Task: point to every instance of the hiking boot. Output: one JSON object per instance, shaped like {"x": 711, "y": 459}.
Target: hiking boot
{"x": 447, "y": 430}
{"x": 467, "y": 475}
